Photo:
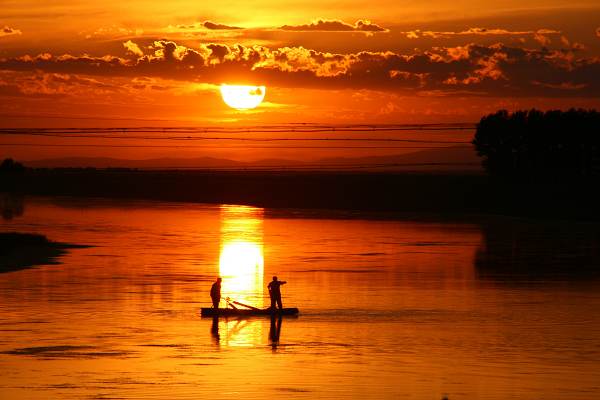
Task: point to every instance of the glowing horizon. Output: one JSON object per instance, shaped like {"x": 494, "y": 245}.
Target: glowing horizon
{"x": 123, "y": 64}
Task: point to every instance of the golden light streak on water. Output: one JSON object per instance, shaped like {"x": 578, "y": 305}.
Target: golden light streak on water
{"x": 241, "y": 265}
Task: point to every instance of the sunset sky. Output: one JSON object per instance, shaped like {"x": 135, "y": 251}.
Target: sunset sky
{"x": 139, "y": 63}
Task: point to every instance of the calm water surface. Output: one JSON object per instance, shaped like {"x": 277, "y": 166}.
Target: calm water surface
{"x": 390, "y": 308}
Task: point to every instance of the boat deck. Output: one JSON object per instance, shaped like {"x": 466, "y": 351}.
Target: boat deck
{"x": 233, "y": 312}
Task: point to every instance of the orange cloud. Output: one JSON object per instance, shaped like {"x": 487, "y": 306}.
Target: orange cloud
{"x": 541, "y": 39}
{"x": 114, "y": 31}
{"x": 8, "y": 31}
{"x": 335, "y": 26}
{"x": 133, "y": 48}
{"x": 52, "y": 85}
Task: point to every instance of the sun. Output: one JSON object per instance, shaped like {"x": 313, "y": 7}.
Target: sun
{"x": 242, "y": 97}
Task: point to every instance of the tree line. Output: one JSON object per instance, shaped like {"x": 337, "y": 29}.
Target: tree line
{"x": 8, "y": 165}
{"x": 540, "y": 144}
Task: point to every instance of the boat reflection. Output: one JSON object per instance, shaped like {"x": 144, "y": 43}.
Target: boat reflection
{"x": 244, "y": 331}
{"x": 241, "y": 265}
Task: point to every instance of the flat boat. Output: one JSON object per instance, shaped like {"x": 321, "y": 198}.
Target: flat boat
{"x": 237, "y": 312}
{"x": 248, "y": 311}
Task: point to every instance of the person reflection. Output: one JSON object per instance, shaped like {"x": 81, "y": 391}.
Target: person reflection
{"x": 275, "y": 330}
{"x": 214, "y": 329}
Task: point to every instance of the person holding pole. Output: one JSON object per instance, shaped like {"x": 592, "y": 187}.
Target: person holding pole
{"x": 275, "y": 292}
{"x": 215, "y": 293}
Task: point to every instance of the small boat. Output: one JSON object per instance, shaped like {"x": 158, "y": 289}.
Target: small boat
{"x": 248, "y": 311}
{"x": 237, "y": 312}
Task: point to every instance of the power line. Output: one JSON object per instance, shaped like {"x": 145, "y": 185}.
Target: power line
{"x": 289, "y": 128}
{"x": 229, "y": 138}
{"x": 221, "y": 147}
{"x": 304, "y": 167}
{"x": 314, "y": 167}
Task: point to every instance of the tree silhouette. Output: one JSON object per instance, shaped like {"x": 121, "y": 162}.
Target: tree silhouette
{"x": 540, "y": 144}
{"x": 11, "y": 166}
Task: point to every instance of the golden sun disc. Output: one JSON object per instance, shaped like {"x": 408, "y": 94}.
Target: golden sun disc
{"x": 242, "y": 97}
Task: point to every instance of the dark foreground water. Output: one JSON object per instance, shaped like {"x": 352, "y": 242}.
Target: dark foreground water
{"x": 495, "y": 308}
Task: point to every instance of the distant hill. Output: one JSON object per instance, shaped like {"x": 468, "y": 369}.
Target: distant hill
{"x": 154, "y": 163}
{"x": 465, "y": 159}
{"x": 107, "y": 162}
{"x": 426, "y": 160}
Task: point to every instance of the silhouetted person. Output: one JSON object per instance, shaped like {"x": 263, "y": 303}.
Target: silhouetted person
{"x": 215, "y": 293}
{"x": 275, "y": 292}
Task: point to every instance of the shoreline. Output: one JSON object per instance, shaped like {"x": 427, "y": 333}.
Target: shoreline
{"x": 422, "y": 193}
{"x": 20, "y": 251}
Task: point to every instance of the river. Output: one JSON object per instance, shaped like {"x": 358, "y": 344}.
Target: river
{"x": 391, "y": 306}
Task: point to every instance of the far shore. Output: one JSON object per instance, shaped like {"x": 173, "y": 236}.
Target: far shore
{"x": 436, "y": 193}
{"x": 25, "y": 250}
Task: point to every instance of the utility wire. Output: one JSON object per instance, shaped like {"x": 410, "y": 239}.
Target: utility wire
{"x": 186, "y": 146}
{"x": 292, "y": 128}
{"x": 229, "y": 138}
{"x": 312, "y": 167}
{"x": 277, "y": 168}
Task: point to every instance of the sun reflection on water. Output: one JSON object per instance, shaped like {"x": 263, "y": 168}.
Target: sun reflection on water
{"x": 241, "y": 261}
{"x": 241, "y": 265}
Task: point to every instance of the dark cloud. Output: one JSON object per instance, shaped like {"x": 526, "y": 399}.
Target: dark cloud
{"x": 477, "y": 32}
{"x": 215, "y": 26}
{"x": 494, "y": 70}
{"x": 335, "y": 26}
{"x": 208, "y": 25}
{"x": 598, "y": 32}
{"x": 8, "y": 31}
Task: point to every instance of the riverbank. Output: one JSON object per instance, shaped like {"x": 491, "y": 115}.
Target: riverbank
{"x": 25, "y": 250}
{"x": 394, "y": 192}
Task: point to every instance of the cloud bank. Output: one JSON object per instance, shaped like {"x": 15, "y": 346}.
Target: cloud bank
{"x": 477, "y": 31}
{"x": 471, "y": 70}
{"x": 208, "y": 25}
{"x": 335, "y": 26}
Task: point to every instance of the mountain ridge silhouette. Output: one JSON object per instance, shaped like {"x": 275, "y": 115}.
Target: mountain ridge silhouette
{"x": 465, "y": 156}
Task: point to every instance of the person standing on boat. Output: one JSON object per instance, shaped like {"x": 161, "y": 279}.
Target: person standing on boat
{"x": 275, "y": 292}
{"x": 215, "y": 293}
